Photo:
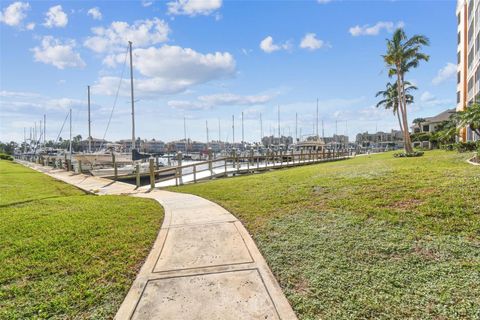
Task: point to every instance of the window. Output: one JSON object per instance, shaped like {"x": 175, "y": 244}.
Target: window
{"x": 470, "y": 84}
{"x": 477, "y": 43}
{"x": 471, "y": 29}
{"x": 459, "y": 18}
{"x": 470, "y": 8}
{"x": 459, "y": 57}
{"x": 426, "y": 128}
{"x": 459, "y": 38}
{"x": 459, "y": 76}
{"x": 470, "y": 58}
{"x": 458, "y": 96}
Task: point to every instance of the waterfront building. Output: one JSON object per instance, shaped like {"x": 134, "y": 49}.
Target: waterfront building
{"x": 380, "y": 140}
{"x": 468, "y": 59}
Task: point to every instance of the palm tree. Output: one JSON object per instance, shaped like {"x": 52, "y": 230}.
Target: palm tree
{"x": 390, "y": 99}
{"x": 402, "y": 55}
{"x": 470, "y": 117}
{"x": 419, "y": 121}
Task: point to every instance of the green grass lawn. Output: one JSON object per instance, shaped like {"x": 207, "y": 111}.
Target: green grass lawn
{"x": 65, "y": 254}
{"x": 371, "y": 237}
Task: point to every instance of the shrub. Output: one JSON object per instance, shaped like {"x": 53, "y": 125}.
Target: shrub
{"x": 408, "y": 155}
{"x": 467, "y": 146}
{"x": 4, "y": 156}
{"x": 448, "y": 147}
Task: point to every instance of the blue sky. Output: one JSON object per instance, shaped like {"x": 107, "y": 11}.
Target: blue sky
{"x": 209, "y": 60}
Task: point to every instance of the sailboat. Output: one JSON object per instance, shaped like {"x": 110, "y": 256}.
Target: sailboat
{"x": 106, "y": 155}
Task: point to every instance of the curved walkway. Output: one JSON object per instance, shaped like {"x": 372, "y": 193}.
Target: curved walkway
{"x": 203, "y": 264}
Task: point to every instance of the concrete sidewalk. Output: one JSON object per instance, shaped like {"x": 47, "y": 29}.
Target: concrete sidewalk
{"x": 203, "y": 264}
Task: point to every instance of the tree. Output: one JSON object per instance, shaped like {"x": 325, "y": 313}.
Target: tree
{"x": 419, "y": 121}
{"x": 470, "y": 118}
{"x": 403, "y": 54}
{"x": 390, "y": 99}
{"x": 8, "y": 147}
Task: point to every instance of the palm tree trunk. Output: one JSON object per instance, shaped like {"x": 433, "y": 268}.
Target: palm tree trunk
{"x": 403, "y": 108}
{"x": 400, "y": 108}
{"x": 399, "y": 122}
{"x": 408, "y": 140}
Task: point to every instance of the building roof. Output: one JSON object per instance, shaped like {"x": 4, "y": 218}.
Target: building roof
{"x": 443, "y": 116}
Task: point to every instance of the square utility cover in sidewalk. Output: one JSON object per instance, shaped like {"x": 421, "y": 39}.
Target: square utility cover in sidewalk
{"x": 228, "y": 295}
{"x": 201, "y": 246}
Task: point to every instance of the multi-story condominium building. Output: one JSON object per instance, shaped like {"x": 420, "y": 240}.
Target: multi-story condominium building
{"x": 431, "y": 124}
{"x": 153, "y": 146}
{"x": 468, "y": 59}
{"x": 95, "y": 144}
{"x": 380, "y": 139}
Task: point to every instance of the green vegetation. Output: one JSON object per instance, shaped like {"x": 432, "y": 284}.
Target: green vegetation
{"x": 65, "y": 254}
{"x": 402, "y": 55}
{"x": 371, "y": 237}
{"x": 4, "y": 156}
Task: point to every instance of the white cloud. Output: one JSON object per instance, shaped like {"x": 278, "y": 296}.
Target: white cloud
{"x": 310, "y": 42}
{"x": 220, "y": 99}
{"x": 115, "y": 38}
{"x": 17, "y": 100}
{"x": 427, "y": 97}
{"x": 14, "y": 14}
{"x": 367, "y": 30}
{"x": 445, "y": 73}
{"x": 171, "y": 69}
{"x": 30, "y": 26}
{"x": 58, "y": 54}
{"x": 323, "y": 1}
{"x": 193, "y": 7}
{"x": 146, "y": 3}
{"x": 268, "y": 46}
{"x": 55, "y": 17}
{"x": 95, "y": 13}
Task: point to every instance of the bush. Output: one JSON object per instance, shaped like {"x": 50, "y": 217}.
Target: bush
{"x": 448, "y": 147}
{"x": 467, "y": 146}
{"x": 408, "y": 155}
{"x": 4, "y": 156}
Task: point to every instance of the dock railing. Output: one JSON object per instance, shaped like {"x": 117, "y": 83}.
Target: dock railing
{"x": 231, "y": 165}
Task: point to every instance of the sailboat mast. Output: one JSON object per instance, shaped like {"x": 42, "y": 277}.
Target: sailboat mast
{"x": 323, "y": 131}
{"x": 243, "y": 136}
{"x": 206, "y": 127}
{"x": 279, "y": 121}
{"x": 185, "y": 129}
{"x": 44, "y": 130}
{"x": 233, "y": 129}
{"x": 261, "y": 127}
{"x": 132, "y": 96}
{"x": 70, "y": 134}
{"x": 219, "y": 131}
{"x": 317, "y": 119}
{"x": 296, "y": 126}
{"x": 89, "y": 123}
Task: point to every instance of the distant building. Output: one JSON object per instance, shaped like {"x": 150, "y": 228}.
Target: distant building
{"x": 127, "y": 144}
{"x": 430, "y": 125}
{"x": 380, "y": 140}
{"x": 468, "y": 59}
{"x": 338, "y": 141}
{"x": 197, "y": 147}
{"x": 271, "y": 141}
{"x": 176, "y": 146}
{"x": 153, "y": 146}
{"x": 96, "y": 145}
{"x": 217, "y": 146}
